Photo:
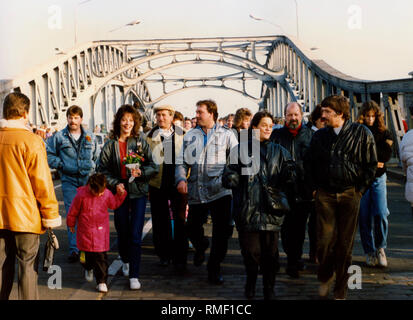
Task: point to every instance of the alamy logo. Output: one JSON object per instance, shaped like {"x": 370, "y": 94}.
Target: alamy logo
{"x": 55, "y": 20}
{"x": 354, "y": 281}
{"x": 55, "y": 280}
{"x": 216, "y": 151}
{"x": 355, "y": 21}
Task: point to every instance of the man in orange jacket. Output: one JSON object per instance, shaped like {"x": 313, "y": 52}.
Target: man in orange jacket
{"x": 28, "y": 204}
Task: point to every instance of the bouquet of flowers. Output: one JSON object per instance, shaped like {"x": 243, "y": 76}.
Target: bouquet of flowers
{"x": 133, "y": 161}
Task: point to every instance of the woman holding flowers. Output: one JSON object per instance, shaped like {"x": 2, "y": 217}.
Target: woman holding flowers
{"x": 126, "y": 161}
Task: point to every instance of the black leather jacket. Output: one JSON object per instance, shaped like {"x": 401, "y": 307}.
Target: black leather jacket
{"x": 338, "y": 162}
{"x": 276, "y": 169}
{"x": 384, "y": 150}
{"x": 298, "y": 147}
{"x": 109, "y": 165}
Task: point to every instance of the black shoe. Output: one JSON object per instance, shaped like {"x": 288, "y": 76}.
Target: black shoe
{"x": 269, "y": 294}
{"x": 313, "y": 259}
{"x": 73, "y": 257}
{"x": 199, "y": 256}
{"x": 215, "y": 279}
{"x": 249, "y": 290}
{"x": 277, "y": 268}
{"x": 292, "y": 272}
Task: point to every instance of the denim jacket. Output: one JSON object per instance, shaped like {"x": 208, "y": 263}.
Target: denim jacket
{"x": 72, "y": 160}
{"x": 206, "y": 164}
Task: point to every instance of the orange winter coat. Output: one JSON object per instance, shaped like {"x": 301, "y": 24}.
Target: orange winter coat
{"x": 27, "y": 198}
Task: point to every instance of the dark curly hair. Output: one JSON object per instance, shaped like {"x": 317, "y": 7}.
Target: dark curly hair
{"x": 97, "y": 182}
{"x": 137, "y": 118}
{"x": 258, "y": 116}
{"x": 316, "y": 114}
{"x": 372, "y": 106}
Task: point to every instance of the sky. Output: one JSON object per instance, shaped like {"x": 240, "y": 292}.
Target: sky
{"x": 367, "y": 39}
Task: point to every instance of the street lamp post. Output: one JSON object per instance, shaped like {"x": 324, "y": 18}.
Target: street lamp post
{"x": 296, "y": 18}
{"x": 267, "y": 21}
{"x": 132, "y": 23}
{"x": 58, "y": 51}
{"x": 75, "y": 22}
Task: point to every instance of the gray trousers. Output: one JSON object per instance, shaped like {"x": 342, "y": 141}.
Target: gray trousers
{"x": 24, "y": 247}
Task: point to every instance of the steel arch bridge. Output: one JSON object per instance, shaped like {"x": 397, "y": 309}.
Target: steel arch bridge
{"x": 102, "y": 75}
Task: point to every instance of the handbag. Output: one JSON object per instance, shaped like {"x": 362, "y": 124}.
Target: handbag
{"x": 51, "y": 245}
{"x": 276, "y": 200}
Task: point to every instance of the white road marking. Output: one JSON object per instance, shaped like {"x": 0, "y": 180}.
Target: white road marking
{"x": 115, "y": 266}
{"x": 147, "y": 228}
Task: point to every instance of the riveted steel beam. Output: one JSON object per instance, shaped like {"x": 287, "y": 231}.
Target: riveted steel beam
{"x": 99, "y": 74}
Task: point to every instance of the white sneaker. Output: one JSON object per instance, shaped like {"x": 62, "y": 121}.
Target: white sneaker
{"x": 125, "y": 269}
{"x": 134, "y": 284}
{"x": 381, "y": 257}
{"x": 371, "y": 259}
{"x": 102, "y": 287}
{"x": 89, "y": 275}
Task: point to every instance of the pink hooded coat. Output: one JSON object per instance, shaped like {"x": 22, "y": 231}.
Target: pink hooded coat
{"x": 92, "y": 217}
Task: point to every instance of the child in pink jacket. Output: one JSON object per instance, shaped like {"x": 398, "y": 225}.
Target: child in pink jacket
{"x": 90, "y": 209}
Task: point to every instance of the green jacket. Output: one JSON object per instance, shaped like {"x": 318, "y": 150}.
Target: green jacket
{"x": 109, "y": 165}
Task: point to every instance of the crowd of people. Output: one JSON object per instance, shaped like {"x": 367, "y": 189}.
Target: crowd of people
{"x": 268, "y": 177}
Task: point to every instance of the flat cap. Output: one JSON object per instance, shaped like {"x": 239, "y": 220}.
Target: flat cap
{"x": 164, "y": 107}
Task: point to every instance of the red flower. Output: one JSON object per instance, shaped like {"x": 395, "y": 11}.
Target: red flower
{"x": 88, "y": 138}
{"x": 133, "y": 157}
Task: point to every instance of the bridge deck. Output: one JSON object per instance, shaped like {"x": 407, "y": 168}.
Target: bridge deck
{"x": 394, "y": 282}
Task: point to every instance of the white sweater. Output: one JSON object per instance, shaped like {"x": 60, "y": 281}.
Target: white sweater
{"x": 406, "y": 156}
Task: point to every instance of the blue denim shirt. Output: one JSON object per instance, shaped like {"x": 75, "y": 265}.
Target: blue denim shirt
{"x": 72, "y": 159}
{"x": 210, "y": 132}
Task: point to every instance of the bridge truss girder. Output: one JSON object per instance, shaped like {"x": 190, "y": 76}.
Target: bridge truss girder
{"x": 100, "y": 76}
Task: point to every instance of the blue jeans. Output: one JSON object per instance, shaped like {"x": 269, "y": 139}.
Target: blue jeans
{"x": 129, "y": 220}
{"x": 69, "y": 189}
{"x": 373, "y": 215}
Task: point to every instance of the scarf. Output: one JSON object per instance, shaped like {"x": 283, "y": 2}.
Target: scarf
{"x": 294, "y": 132}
